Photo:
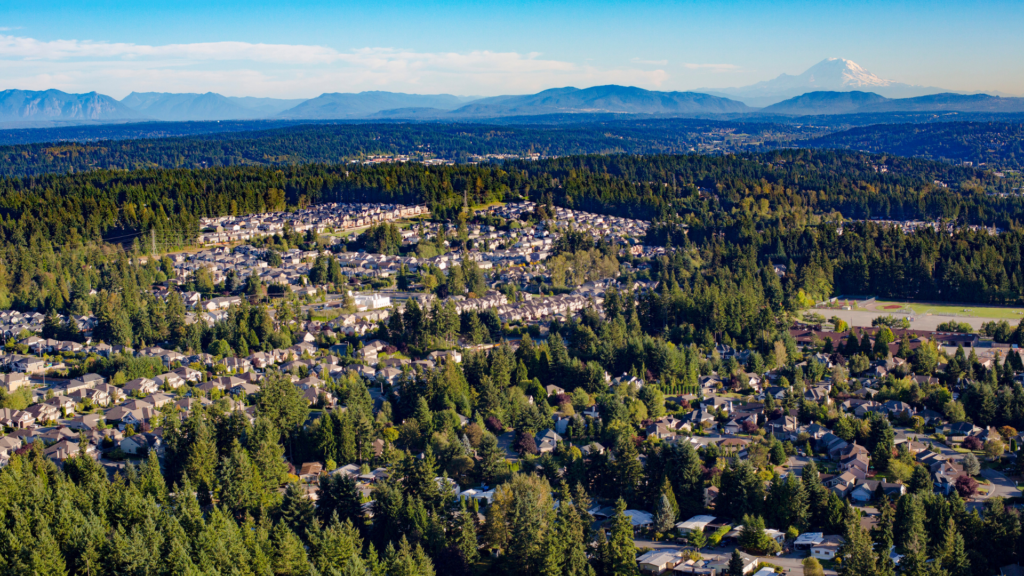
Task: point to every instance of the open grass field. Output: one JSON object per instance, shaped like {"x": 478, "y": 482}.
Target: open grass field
{"x": 950, "y": 310}
{"x": 922, "y": 315}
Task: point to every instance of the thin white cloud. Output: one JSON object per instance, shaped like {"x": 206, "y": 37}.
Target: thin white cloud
{"x": 713, "y": 67}
{"x": 285, "y": 70}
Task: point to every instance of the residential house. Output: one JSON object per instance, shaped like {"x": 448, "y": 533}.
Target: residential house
{"x": 13, "y": 381}
{"x": 140, "y": 387}
{"x": 828, "y": 548}
{"x": 547, "y": 440}
{"x": 87, "y": 381}
{"x": 140, "y": 444}
{"x": 171, "y": 380}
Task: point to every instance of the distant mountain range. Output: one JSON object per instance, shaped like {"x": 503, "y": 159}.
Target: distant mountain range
{"x": 209, "y": 106}
{"x": 601, "y": 99}
{"x": 829, "y": 75}
{"x": 824, "y": 103}
{"x": 54, "y": 105}
{"x": 366, "y": 104}
{"x": 817, "y": 103}
{"x": 832, "y": 87}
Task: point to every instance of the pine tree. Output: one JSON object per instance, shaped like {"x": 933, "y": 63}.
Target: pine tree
{"x": 736, "y": 564}
{"x": 241, "y": 485}
{"x": 664, "y": 516}
{"x": 778, "y": 454}
{"x": 915, "y": 561}
{"x": 346, "y": 439}
{"x": 697, "y": 539}
{"x": 326, "y": 443}
{"x": 920, "y": 481}
{"x": 882, "y": 440}
{"x": 338, "y": 495}
{"x": 908, "y": 523}
{"x": 465, "y": 536}
{"x": 956, "y": 561}
{"x": 622, "y": 550}
{"x": 858, "y": 557}
{"x": 267, "y": 453}
{"x": 882, "y": 533}
{"x": 836, "y": 513}
{"x": 335, "y": 547}
{"x": 685, "y": 473}
{"x": 493, "y": 467}
{"x": 289, "y": 557}
{"x": 297, "y": 510}
{"x": 627, "y": 468}
{"x": 46, "y": 557}
{"x": 796, "y": 507}
{"x": 201, "y": 457}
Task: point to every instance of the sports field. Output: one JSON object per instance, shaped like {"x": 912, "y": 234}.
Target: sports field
{"x": 948, "y": 310}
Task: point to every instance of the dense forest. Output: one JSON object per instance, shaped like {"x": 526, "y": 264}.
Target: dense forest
{"x": 996, "y": 144}
{"x": 953, "y": 138}
{"x": 339, "y": 143}
{"x": 712, "y": 192}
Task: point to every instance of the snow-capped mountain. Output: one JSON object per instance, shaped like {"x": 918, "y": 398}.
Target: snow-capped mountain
{"x": 829, "y": 75}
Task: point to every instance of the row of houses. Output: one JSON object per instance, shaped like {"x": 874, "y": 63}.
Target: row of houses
{"x": 336, "y": 216}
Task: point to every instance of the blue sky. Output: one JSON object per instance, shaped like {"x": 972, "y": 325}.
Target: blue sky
{"x": 302, "y": 49}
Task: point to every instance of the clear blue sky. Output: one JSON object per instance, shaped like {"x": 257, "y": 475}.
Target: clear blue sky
{"x": 301, "y": 49}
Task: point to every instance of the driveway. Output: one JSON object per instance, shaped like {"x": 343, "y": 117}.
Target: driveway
{"x": 1000, "y": 485}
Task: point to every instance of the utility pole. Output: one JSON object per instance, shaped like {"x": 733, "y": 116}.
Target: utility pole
{"x": 152, "y": 237}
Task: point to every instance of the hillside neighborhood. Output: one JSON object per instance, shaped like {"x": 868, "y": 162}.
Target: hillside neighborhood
{"x": 865, "y": 422}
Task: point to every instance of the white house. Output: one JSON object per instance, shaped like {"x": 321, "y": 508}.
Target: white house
{"x": 827, "y": 548}
{"x": 371, "y": 301}
{"x": 696, "y": 523}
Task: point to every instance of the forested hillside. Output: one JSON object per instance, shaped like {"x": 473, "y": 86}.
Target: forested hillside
{"x": 791, "y": 184}
{"x": 339, "y": 143}
{"x": 997, "y": 144}
{"x": 756, "y": 208}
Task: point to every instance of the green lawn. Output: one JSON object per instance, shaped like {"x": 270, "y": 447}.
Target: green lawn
{"x": 994, "y": 312}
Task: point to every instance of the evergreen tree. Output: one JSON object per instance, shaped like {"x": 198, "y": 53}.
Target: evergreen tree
{"x": 288, "y": 556}
{"x": 241, "y": 485}
{"x": 736, "y": 564}
{"x": 297, "y": 510}
{"x": 622, "y": 550}
{"x": 664, "y": 516}
{"x": 858, "y": 557}
{"x": 915, "y": 561}
{"x": 493, "y": 467}
{"x": 956, "y": 561}
{"x": 920, "y": 481}
{"x": 465, "y": 536}
{"x": 882, "y": 533}
{"x": 326, "y": 443}
{"x": 908, "y": 524}
{"x": 267, "y": 453}
{"x": 882, "y": 442}
{"x": 338, "y": 495}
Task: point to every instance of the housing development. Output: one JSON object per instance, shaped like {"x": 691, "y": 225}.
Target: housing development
{"x": 380, "y": 338}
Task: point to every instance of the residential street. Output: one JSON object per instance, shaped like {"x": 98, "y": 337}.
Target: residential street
{"x": 1000, "y": 485}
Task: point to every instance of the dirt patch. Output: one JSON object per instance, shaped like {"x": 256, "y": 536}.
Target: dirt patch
{"x": 892, "y": 307}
